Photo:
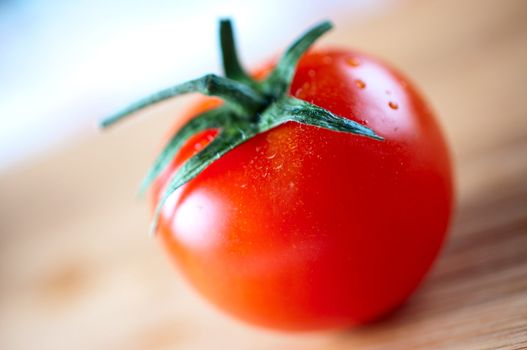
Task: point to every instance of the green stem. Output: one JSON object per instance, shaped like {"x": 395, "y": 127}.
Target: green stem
{"x": 231, "y": 64}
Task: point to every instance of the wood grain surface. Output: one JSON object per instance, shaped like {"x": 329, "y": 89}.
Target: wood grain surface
{"x": 77, "y": 270}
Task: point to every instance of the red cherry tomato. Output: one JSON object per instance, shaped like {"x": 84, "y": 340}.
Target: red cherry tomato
{"x": 305, "y": 228}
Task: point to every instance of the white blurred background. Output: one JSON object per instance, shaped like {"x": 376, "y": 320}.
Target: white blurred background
{"x": 66, "y": 64}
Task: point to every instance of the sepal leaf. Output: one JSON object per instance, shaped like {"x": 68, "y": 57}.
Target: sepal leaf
{"x": 279, "y": 80}
{"x": 211, "y": 119}
{"x": 293, "y": 109}
{"x": 242, "y": 98}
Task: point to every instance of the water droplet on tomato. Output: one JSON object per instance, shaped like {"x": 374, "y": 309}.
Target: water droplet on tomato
{"x": 393, "y": 105}
{"x": 303, "y": 90}
{"x": 360, "y": 84}
{"x": 352, "y": 61}
{"x": 312, "y": 73}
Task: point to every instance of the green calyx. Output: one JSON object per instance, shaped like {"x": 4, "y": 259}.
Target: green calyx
{"x": 251, "y": 107}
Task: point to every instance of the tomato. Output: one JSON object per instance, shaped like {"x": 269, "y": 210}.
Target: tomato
{"x": 304, "y": 228}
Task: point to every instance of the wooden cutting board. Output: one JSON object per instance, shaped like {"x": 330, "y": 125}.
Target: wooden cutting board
{"x": 77, "y": 270}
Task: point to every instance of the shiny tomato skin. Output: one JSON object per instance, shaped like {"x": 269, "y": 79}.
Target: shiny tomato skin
{"x": 303, "y": 228}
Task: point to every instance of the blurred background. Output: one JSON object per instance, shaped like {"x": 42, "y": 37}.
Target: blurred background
{"x": 77, "y": 269}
